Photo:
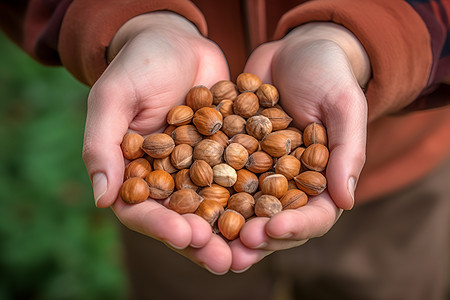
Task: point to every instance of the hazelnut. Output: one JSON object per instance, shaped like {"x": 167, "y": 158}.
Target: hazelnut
{"x": 164, "y": 164}
{"x": 315, "y": 133}
{"x": 215, "y": 192}
{"x": 131, "y": 145}
{"x": 201, "y": 173}
{"x": 183, "y": 180}
{"x": 184, "y": 201}
{"x": 158, "y": 145}
{"x": 250, "y": 143}
{"x": 180, "y": 115}
{"x": 315, "y": 157}
{"x": 224, "y": 89}
{"x": 210, "y": 211}
{"x": 224, "y": 174}
{"x": 186, "y": 134}
{"x": 207, "y": 120}
{"x": 258, "y": 126}
{"x": 209, "y": 151}
{"x": 219, "y": 137}
{"x": 248, "y": 82}
{"x": 236, "y": 155}
{"x": 263, "y": 176}
{"x": 233, "y": 124}
{"x": 311, "y": 182}
{"x": 246, "y": 182}
{"x": 137, "y": 168}
{"x": 268, "y": 95}
{"x": 243, "y": 203}
{"x": 267, "y": 206}
{"x": 275, "y": 185}
{"x": 276, "y": 144}
{"x": 161, "y": 184}
{"x": 259, "y": 162}
{"x": 134, "y": 190}
{"x": 181, "y": 156}
{"x": 293, "y": 135}
{"x": 280, "y": 120}
{"x": 230, "y": 224}
{"x": 225, "y": 107}
{"x": 287, "y": 165}
{"x": 246, "y": 104}
{"x": 198, "y": 97}
{"x": 293, "y": 199}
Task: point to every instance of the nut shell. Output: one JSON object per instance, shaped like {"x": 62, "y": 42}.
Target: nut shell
{"x": 236, "y": 155}
{"x": 186, "y": 134}
{"x": 209, "y": 151}
{"x": 207, "y": 120}
{"x": 183, "y": 180}
{"x": 294, "y": 199}
{"x": 137, "y": 168}
{"x": 311, "y": 182}
{"x": 248, "y": 82}
{"x": 259, "y": 162}
{"x": 246, "y": 182}
{"x": 267, "y": 206}
{"x": 275, "y": 185}
{"x": 276, "y": 144}
{"x": 224, "y": 175}
{"x": 315, "y": 157}
{"x": 250, "y": 143}
{"x": 182, "y": 156}
{"x": 134, "y": 190}
{"x": 184, "y": 201}
{"x": 243, "y": 203}
{"x": 198, "y": 97}
{"x": 224, "y": 89}
{"x": 158, "y": 145}
{"x": 287, "y": 165}
{"x": 246, "y": 104}
{"x": 201, "y": 173}
{"x": 210, "y": 211}
{"x": 233, "y": 125}
{"x": 161, "y": 184}
{"x": 280, "y": 120}
{"x": 315, "y": 133}
{"x": 230, "y": 224}
{"x": 131, "y": 145}
{"x": 258, "y": 126}
{"x": 180, "y": 115}
{"x": 215, "y": 192}
{"x": 268, "y": 95}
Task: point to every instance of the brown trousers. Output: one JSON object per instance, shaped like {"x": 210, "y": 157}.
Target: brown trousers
{"x": 394, "y": 248}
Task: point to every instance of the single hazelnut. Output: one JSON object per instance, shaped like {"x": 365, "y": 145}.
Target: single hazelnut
{"x": 263, "y": 176}
{"x": 224, "y": 89}
{"x": 235, "y": 155}
{"x": 134, "y": 190}
{"x": 207, "y": 120}
{"x": 246, "y": 104}
{"x": 311, "y": 182}
{"x": 137, "y": 168}
{"x": 293, "y": 199}
{"x": 183, "y": 180}
{"x": 230, "y": 224}
{"x": 180, "y": 115}
{"x": 275, "y": 185}
{"x": 182, "y": 156}
{"x": 258, "y": 126}
{"x": 280, "y": 120}
{"x": 259, "y": 162}
{"x": 184, "y": 201}
{"x": 267, "y": 206}
{"x": 158, "y": 145}
{"x": 131, "y": 145}
{"x": 233, "y": 124}
{"x": 225, "y": 107}
{"x": 268, "y": 95}
{"x": 276, "y": 145}
{"x": 224, "y": 175}
{"x": 210, "y": 211}
{"x": 164, "y": 164}
{"x": 287, "y": 165}
{"x": 161, "y": 184}
{"x": 186, "y": 134}
{"x": 243, "y": 203}
{"x": 246, "y": 182}
{"x": 315, "y": 133}
{"x": 294, "y": 135}
{"x": 215, "y": 192}
{"x": 209, "y": 151}
{"x": 198, "y": 97}
{"x": 315, "y": 157}
{"x": 249, "y": 142}
{"x": 201, "y": 173}
{"x": 219, "y": 137}
{"x": 248, "y": 82}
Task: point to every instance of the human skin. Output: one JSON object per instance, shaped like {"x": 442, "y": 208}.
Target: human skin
{"x": 156, "y": 58}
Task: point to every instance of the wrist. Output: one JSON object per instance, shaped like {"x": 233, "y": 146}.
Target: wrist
{"x": 156, "y": 21}
{"x": 343, "y": 37}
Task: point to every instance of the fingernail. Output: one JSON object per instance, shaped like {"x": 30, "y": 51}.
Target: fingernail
{"x": 212, "y": 272}
{"x": 352, "y": 187}
{"x": 173, "y": 246}
{"x": 99, "y": 185}
{"x": 287, "y": 235}
{"x": 240, "y": 271}
{"x": 262, "y": 245}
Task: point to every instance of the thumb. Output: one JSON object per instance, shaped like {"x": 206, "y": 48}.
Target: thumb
{"x": 106, "y": 124}
{"x": 346, "y": 123}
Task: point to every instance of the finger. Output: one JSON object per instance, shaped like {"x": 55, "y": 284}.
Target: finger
{"x": 244, "y": 258}
{"x": 154, "y": 220}
{"x": 345, "y": 118}
{"x": 201, "y": 230}
{"x": 215, "y": 256}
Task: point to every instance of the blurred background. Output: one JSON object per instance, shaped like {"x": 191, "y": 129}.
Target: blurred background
{"x": 54, "y": 243}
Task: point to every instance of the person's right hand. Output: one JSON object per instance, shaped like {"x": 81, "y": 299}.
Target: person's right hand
{"x": 156, "y": 59}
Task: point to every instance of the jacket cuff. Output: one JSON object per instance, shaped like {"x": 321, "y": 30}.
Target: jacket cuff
{"x": 89, "y": 26}
{"x": 394, "y": 36}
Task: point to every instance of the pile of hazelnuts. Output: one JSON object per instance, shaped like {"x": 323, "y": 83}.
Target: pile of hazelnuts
{"x": 227, "y": 155}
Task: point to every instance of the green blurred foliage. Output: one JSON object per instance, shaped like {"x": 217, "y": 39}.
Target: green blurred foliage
{"x": 54, "y": 243}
